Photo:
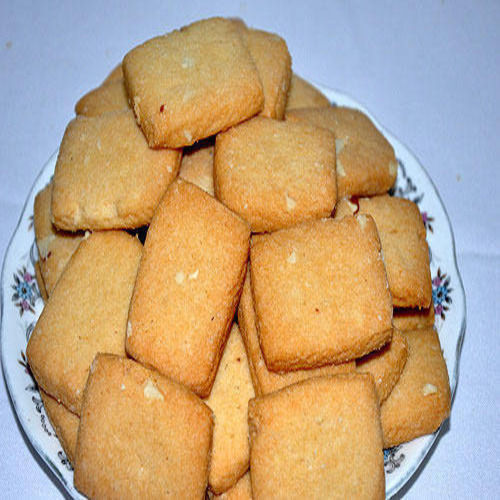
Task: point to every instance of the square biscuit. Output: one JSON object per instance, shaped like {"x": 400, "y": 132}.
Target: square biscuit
{"x": 274, "y": 65}
{"x": 192, "y": 83}
{"x": 421, "y": 399}
{"x": 307, "y": 442}
{"x": 106, "y": 176}
{"x": 40, "y": 282}
{"x": 110, "y": 96}
{"x": 385, "y": 365}
{"x": 197, "y": 165}
{"x": 320, "y": 293}
{"x": 242, "y": 490}
{"x": 265, "y": 381}
{"x": 228, "y": 401}
{"x": 413, "y": 318}
{"x": 141, "y": 435}
{"x": 55, "y": 247}
{"x": 303, "y": 94}
{"x": 366, "y": 163}
{"x": 274, "y": 173}
{"x": 86, "y": 314}
{"x": 406, "y": 253}
{"x": 64, "y": 422}
{"x": 188, "y": 286}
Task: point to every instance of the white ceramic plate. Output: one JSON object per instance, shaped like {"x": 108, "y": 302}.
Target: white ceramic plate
{"x": 22, "y": 304}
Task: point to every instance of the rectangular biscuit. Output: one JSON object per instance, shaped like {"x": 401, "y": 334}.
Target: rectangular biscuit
{"x": 228, "y": 400}
{"x": 321, "y": 293}
{"x": 366, "y": 163}
{"x": 303, "y": 94}
{"x": 385, "y": 364}
{"x": 307, "y": 442}
{"x": 188, "y": 286}
{"x": 265, "y": 381}
{"x": 55, "y": 247}
{"x": 86, "y": 314}
{"x": 106, "y": 176}
{"x": 192, "y": 83}
{"x": 276, "y": 174}
{"x": 274, "y": 65}
{"x": 421, "y": 399}
{"x": 141, "y": 435}
{"x": 110, "y": 96}
{"x": 64, "y": 422}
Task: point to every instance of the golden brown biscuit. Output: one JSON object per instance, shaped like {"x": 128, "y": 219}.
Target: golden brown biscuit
{"x": 110, "y": 96}
{"x": 197, "y": 165}
{"x": 421, "y": 399}
{"x": 86, "y": 314}
{"x": 413, "y": 318}
{"x": 116, "y": 74}
{"x": 307, "y": 442}
{"x": 304, "y": 95}
{"x": 385, "y": 365}
{"x": 405, "y": 250}
{"x": 265, "y": 381}
{"x": 275, "y": 174}
{"x": 188, "y": 286}
{"x": 40, "y": 282}
{"x": 274, "y": 64}
{"x": 106, "y": 176}
{"x": 242, "y": 490}
{"x": 366, "y": 164}
{"x": 192, "y": 83}
{"x": 64, "y": 423}
{"x": 141, "y": 435}
{"x": 228, "y": 400}
{"x": 55, "y": 247}
{"x": 320, "y": 292}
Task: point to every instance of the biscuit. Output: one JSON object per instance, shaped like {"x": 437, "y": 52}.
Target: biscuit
{"x": 307, "y": 442}
{"x": 320, "y": 293}
{"x": 265, "y": 381}
{"x": 197, "y": 165}
{"x": 275, "y": 174}
{"x": 40, "y": 282}
{"x": 303, "y": 94}
{"x": 106, "y": 176}
{"x": 64, "y": 423}
{"x": 228, "y": 400}
{"x": 86, "y": 314}
{"x": 413, "y": 318}
{"x": 55, "y": 248}
{"x": 366, "y": 163}
{"x": 421, "y": 399}
{"x": 141, "y": 435}
{"x": 274, "y": 65}
{"x": 116, "y": 74}
{"x": 406, "y": 254}
{"x": 385, "y": 365}
{"x": 188, "y": 286}
{"x": 110, "y": 96}
{"x": 192, "y": 83}
{"x": 242, "y": 490}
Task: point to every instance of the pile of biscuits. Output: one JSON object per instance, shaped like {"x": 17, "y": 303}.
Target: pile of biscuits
{"x": 234, "y": 304}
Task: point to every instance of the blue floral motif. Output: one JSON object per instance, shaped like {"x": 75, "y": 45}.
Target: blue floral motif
{"x": 25, "y": 291}
{"x": 441, "y": 293}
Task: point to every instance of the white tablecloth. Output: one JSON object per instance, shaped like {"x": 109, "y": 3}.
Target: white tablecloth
{"x": 429, "y": 71}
